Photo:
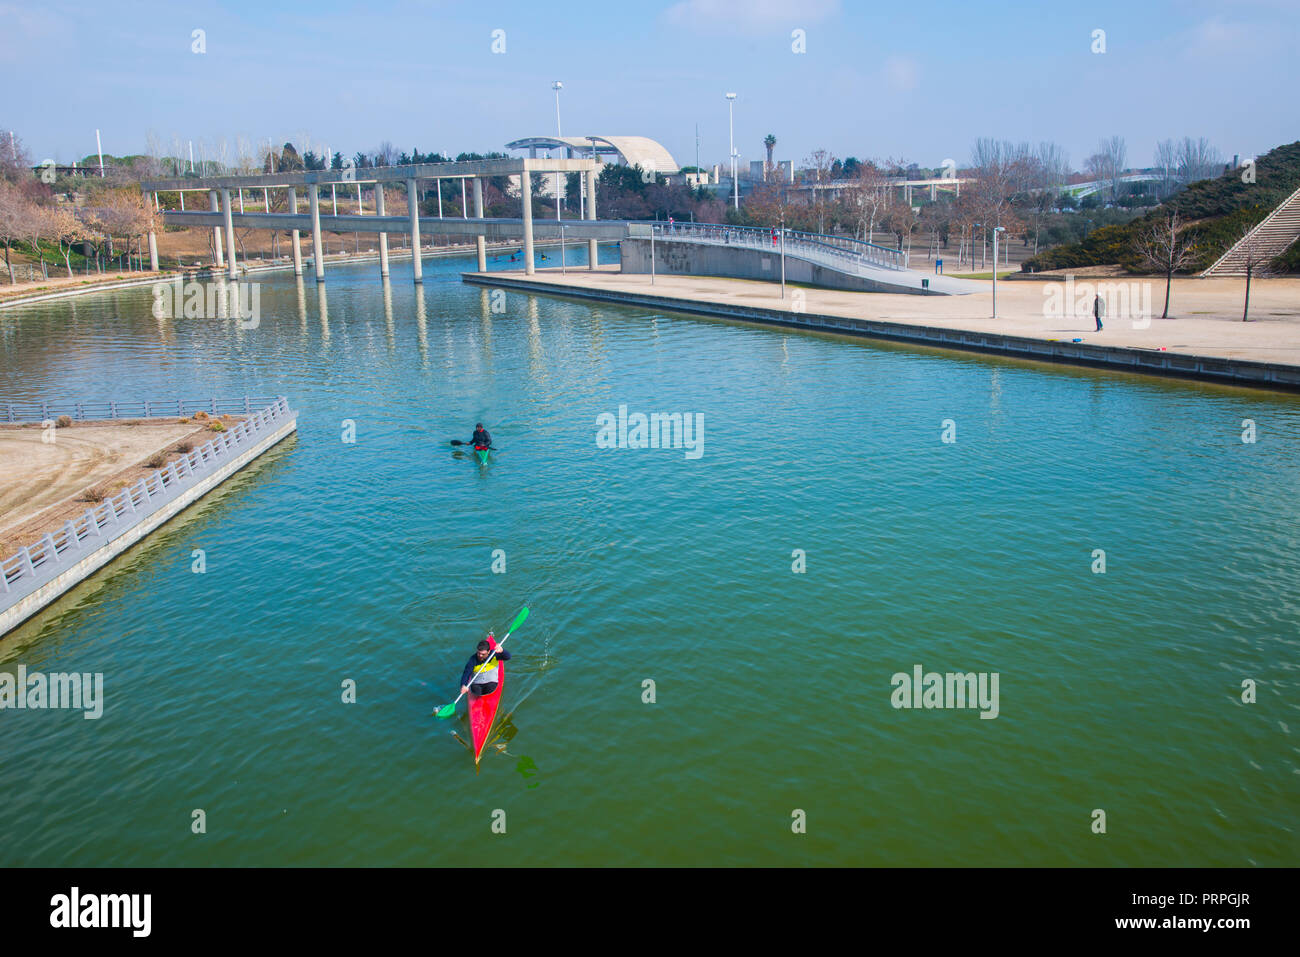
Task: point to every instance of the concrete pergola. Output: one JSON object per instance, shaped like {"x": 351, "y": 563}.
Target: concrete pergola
{"x": 221, "y": 214}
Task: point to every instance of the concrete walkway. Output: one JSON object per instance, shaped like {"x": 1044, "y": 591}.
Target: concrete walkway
{"x": 1208, "y": 311}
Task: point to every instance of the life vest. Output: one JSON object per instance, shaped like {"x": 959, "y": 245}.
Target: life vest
{"x": 485, "y": 672}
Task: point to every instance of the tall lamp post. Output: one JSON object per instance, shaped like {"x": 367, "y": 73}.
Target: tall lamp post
{"x": 557, "y": 86}
{"x": 996, "y": 230}
{"x": 731, "y": 127}
{"x": 783, "y": 257}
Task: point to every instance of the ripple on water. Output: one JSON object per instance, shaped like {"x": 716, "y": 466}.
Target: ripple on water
{"x": 372, "y": 562}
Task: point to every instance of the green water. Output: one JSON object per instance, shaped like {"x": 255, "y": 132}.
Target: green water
{"x": 373, "y": 561}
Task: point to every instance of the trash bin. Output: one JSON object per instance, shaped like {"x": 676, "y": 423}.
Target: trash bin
{"x": 925, "y": 284}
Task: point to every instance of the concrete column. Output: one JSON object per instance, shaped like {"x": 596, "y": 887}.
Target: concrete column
{"x": 317, "y": 252}
{"x": 413, "y": 204}
{"x": 233, "y": 270}
{"x": 526, "y": 197}
{"x": 153, "y": 251}
{"x": 591, "y": 214}
{"x": 383, "y": 237}
{"x": 297, "y": 250}
{"x": 215, "y": 206}
{"x": 480, "y": 241}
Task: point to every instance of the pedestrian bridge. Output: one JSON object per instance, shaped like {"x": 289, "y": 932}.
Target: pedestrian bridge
{"x": 699, "y": 249}
{"x": 746, "y": 252}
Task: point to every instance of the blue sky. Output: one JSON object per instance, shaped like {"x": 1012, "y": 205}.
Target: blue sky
{"x": 918, "y": 81}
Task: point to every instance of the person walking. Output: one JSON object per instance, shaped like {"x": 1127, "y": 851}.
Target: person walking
{"x": 1098, "y": 310}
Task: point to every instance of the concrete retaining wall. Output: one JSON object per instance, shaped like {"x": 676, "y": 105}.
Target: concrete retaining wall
{"x": 1243, "y": 372}
{"x": 94, "y": 560}
{"x": 673, "y": 258}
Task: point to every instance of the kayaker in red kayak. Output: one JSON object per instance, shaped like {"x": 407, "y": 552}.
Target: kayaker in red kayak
{"x": 482, "y": 439}
{"x": 480, "y": 676}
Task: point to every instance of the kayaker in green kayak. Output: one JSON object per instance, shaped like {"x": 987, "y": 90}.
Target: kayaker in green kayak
{"x": 480, "y": 675}
{"x": 482, "y": 439}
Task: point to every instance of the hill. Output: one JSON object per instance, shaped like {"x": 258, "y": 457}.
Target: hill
{"x": 1217, "y": 211}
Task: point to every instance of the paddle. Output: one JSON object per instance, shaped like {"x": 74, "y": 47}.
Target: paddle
{"x": 459, "y": 442}
{"x": 447, "y": 710}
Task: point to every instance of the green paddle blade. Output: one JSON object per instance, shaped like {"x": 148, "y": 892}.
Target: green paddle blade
{"x": 446, "y": 711}
{"x": 519, "y": 620}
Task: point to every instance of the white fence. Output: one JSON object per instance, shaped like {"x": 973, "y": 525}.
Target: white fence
{"x": 143, "y": 409}
{"x": 34, "y": 565}
{"x": 838, "y": 252}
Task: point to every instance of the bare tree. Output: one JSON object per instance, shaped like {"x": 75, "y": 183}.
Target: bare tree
{"x": 35, "y": 227}
{"x": 1000, "y": 172}
{"x": 15, "y": 161}
{"x": 1166, "y": 160}
{"x": 820, "y": 162}
{"x": 65, "y": 229}
{"x": 15, "y": 211}
{"x": 1162, "y": 248}
{"x": 1198, "y": 160}
{"x": 1256, "y": 261}
{"x": 244, "y": 154}
{"x": 1049, "y": 166}
{"x": 1108, "y": 164}
{"x": 867, "y": 199}
{"x": 902, "y": 222}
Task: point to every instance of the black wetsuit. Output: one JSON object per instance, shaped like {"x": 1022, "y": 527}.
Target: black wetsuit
{"x": 482, "y": 439}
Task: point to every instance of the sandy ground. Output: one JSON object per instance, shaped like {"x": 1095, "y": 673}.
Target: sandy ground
{"x": 41, "y": 484}
{"x": 1205, "y": 314}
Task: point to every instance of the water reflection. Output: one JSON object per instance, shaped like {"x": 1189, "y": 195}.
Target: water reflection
{"x": 388, "y": 314}
{"x": 422, "y": 325}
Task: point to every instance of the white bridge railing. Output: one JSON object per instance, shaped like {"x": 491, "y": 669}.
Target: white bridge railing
{"x": 143, "y": 409}
{"x": 32, "y": 566}
{"x": 838, "y": 252}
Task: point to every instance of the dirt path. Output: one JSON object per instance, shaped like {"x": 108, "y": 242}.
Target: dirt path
{"x": 41, "y": 483}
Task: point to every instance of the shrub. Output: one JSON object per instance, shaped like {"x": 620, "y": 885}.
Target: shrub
{"x": 200, "y": 416}
{"x": 216, "y": 426}
{"x": 1215, "y": 210}
{"x": 185, "y": 421}
{"x": 184, "y": 448}
{"x": 95, "y": 494}
{"x": 64, "y": 421}
{"x": 157, "y": 460}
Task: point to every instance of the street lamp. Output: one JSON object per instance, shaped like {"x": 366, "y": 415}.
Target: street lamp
{"x": 557, "y": 86}
{"x": 996, "y": 230}
{"x": 731, "y": 126}
{"x": 782, "y": 256}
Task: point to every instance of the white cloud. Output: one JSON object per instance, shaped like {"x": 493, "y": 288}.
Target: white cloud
{"x": 901, "y": 73}
{"x": 750, "y": 16}
{"x": 26, "y": 27}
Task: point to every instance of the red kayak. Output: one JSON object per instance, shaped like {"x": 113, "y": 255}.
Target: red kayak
{"x": 483, "y": 711}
